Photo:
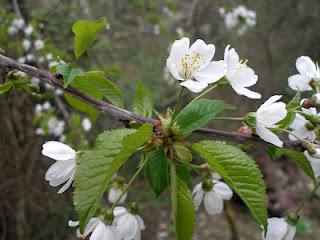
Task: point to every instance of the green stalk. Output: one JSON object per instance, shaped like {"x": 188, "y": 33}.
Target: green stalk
{"x": 141, "y": 166}
{"x": 307, "y": 198}
{"x": 204, "y": 93}
{"x": 177, "y": 106}
{"x": 230, "y": 118}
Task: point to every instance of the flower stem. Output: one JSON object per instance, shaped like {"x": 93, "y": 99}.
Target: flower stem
{"x": 177, "y": 106}
{"x": 230, "y": 118}
{"x": 307, "y": 198}
{"x": 141, "y": 166}
{"x": 204, "y": 93}
{"x": 230, "y": 218}
{"x": 287, "y": 131}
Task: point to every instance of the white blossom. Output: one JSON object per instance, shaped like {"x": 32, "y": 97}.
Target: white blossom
{"x": 39, "y": 131}
{"x": 30, "y": 57}
{"x": 268, "y": 115}
{"x": 18, "y": 23}
{"x": 21, "y": 59}
{"x": 26, "y": 44}
{"x": 48, "y": 86}
{"x": 49, "y": 56}
{"x": 63, "y": 170}
{"x": 212, "y": 199}
{"x": 28, "y": 30}
{"x": 98, "y": 230}
{"x": 129, "y": 225}
{"x": 239, "y": 75}
{"x": 86, "y": 124}
{"x": 39, "y": 44}
{"x": 55, "y": 127}
{"x": 279, "y": 229}
{"x": 192, "y": 64}
{"x": 308, "y": 71}
{"x": 46, "y": 105}
{"x": 38, "y": 109}
{"x": 300, "y": 125}
{"x": 52, "y": 64}
{"x": 12, "y": 30}
{"x": 156, "y": 29}
{"x": 40, "y": 59}
{"x": 314, "y": 162}
{"x": 115, "y": 193}
{"x": 58, "y": 92}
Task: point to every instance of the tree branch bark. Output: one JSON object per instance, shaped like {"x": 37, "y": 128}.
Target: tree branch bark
{"x": 122, "y": 114}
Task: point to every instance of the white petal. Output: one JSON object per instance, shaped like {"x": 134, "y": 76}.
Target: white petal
{"x": 243, "y": 77}
{"x": 119, "y": 210}
{"x": 267, "y": 135}
{"x": 303, "y": 133}
{"x": 98, "y": 232}
{"x": 90, "y": 226}
{"x": 271, "y": 111}
{"x": 246, "y": 92}
{"x": 60, "y": 169}
{"x": 211, "y": 73}
{"x": 114, "y": 194}
{"x": 178, "y": 49}
{"x": 197, "y": 198}
{"x": 127, "y": 226}
{"x": 231, "y": 58}
{"x": 206, "y": 51}
{"x": 66, "y": 185}
{"x": 223, "y": 190}
{"x": 299, "y": 82}
{"x": 73, "y": 223}
{"x": 306, "y": 67}
{"x": 291, "y": 232}
{"x": 197, "y": 188}
{"x": 271, "y": 100}
{"x": 112, "y": 233}
{"x": 298, "y": 122}
{"x": 194, "y": 86}
{"x": 213, "y": 203}
{"x": 58, "y": 151}
{"x": 277, "y": 228}
{"x": 315, "y": 164}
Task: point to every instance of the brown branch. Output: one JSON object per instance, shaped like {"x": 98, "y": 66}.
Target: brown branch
{"x": 122, "y": 114}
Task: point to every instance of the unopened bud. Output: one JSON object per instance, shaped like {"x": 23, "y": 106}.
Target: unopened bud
{"x": 309, "y": 126}
{"x": 250, "y": 119}
{"x": 207, "y": 185}
{"x": 309, "y": 146}
{"x": 292, "y": 218}
{"x": 246, "y": 130}
{"x": 114, "y": 195}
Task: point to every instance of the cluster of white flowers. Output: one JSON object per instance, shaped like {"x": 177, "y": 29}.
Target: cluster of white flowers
{"x": 193, "y": 66}
{"x": 16, "y": 26}
{"x": 239, "y": 17}
{"x": 125, "y": 225}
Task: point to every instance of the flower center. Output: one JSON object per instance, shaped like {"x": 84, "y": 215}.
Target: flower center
{"x": 190, "y": 63}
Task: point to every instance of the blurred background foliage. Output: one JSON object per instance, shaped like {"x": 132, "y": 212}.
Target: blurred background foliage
{"x": 135, "y": 50}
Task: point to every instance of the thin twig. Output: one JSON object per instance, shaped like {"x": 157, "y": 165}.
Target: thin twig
{"x": 124, "y": 115}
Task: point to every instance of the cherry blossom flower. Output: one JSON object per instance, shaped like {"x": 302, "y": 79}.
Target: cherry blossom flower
{"x": 26, "y": 44}
{"x": 268, "y": 115}
{"x": 192, "y": 64}
{"x": 239, "y": 75}
{"x": 98, "y": 230}
{"x": 28, "y": 30}
{"x": 213, "y": 198}
{"x": 63, "y": 170}
{"x": 279, "y": 229}
{"x": 301, "y": 127}
{"x": 115, "y": 193}
{"x": 18, "y": 23}
{"x": 39, "y": 44}
{"x": 12, "y": 30}
{"x": 129, "y": 225}
{"x": 314, "y": 162}
{"x": 308, "y": 71}
{"x": 86, "y": 124}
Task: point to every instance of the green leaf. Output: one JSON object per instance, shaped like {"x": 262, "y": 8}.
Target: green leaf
{"x": 293, "y": 104}
{"x": 83, "y": 84}
{"x": 95, "y": 168}
{"x": 69, "y": 73}
{"x": 106, "y": 87}
{"x": 299, "y": 158}
{"x": 182, "y": 207}
{"x": 240, "y": 172}
{"x": 158, "y": 171}
{"x": 6, "y": 88}
{"x": 142, "y": 101}
{"x": 199, "y": 113}
{"x": 85, "y": 32}
{"x": 183, "y": 173}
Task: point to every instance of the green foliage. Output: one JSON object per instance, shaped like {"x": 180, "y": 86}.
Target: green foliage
{"x": 299, "y": 158}
{"x": 142, "y": 101}
{"x": 182, "y": 207}
{"x": 199, "y": 113}
{"x": 85, "y": 32}
{"x": 240, "y": 172}
{"x": 95, "y": 85}
{"x": 6, "y": 88}
{"x": 293, "y": 104}
{"x": 96, "y": 167}
{"x": 68, "y": 72}
{"x": 158, "y": 171}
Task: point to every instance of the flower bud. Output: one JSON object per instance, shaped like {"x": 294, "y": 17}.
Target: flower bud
{"x": 246, "y": 130}
{"x": 115, "y": 193}
{"x": 250, "y": 119}
{"x": 207, "y": 185}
